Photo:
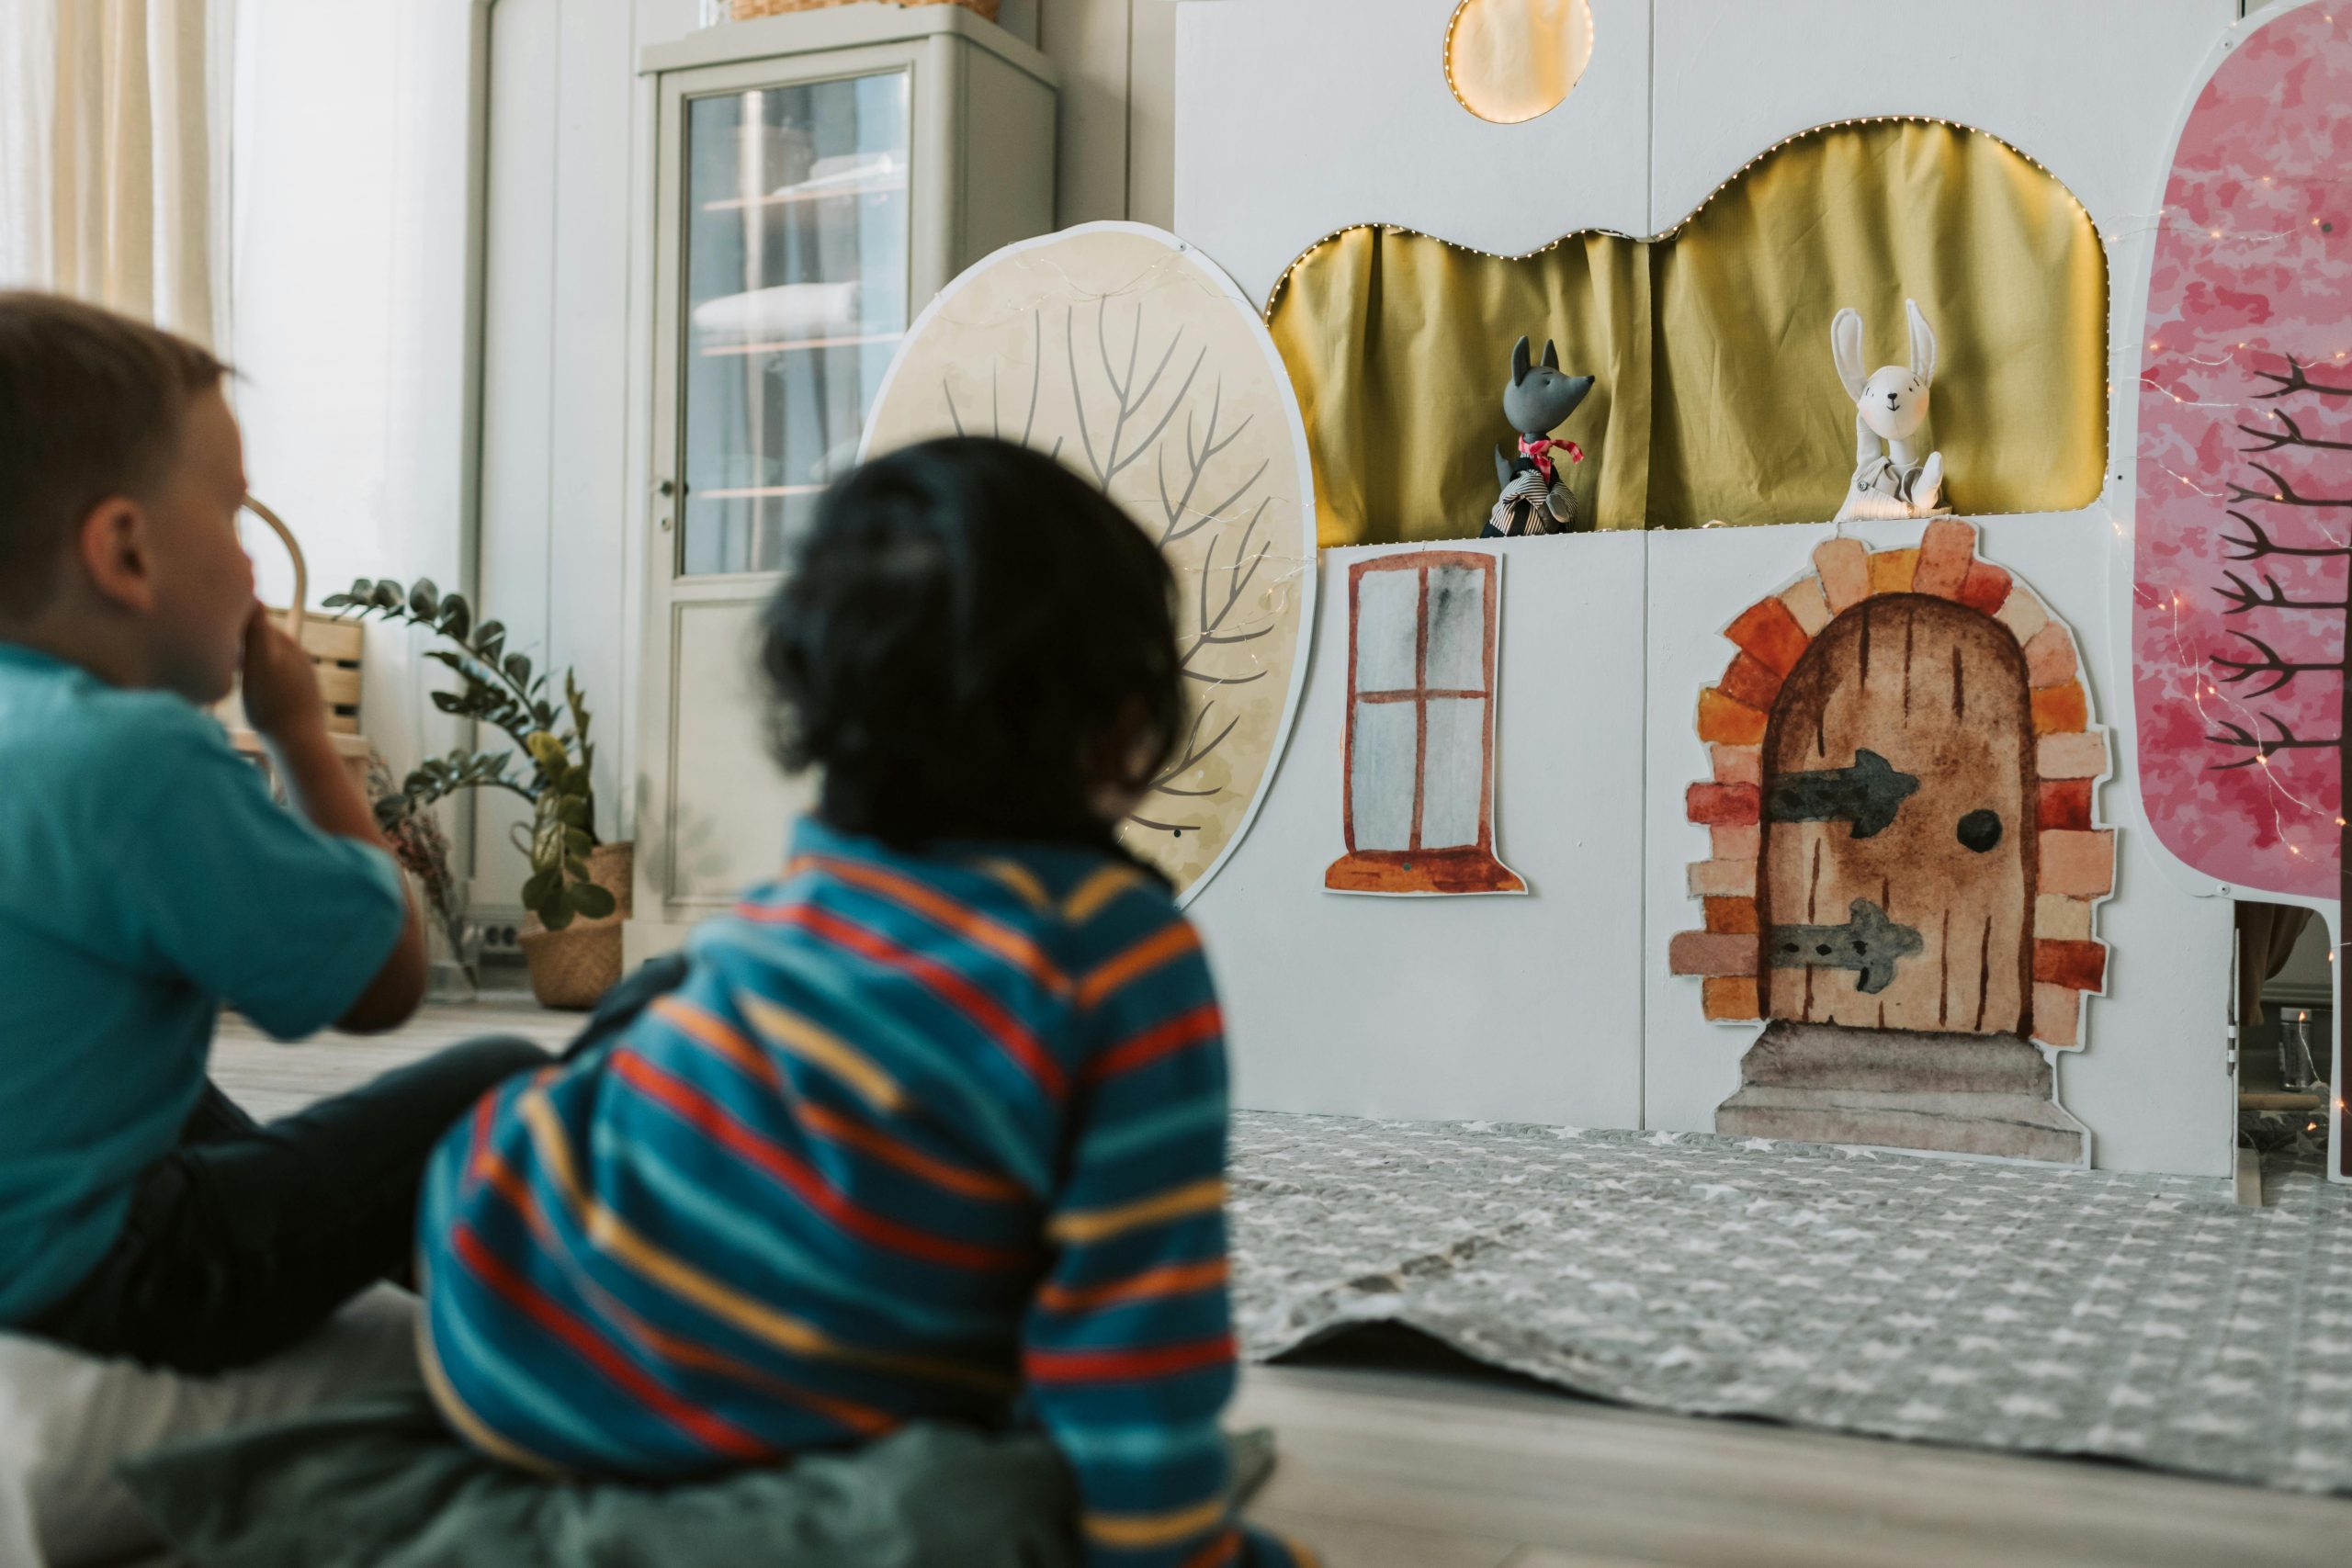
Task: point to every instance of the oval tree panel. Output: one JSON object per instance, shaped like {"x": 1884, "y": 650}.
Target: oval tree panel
{"x": 1133, "y": 359}
{"x": 2245, "y": 468}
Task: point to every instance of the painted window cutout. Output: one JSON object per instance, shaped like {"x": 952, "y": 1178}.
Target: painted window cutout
{"x": 1418, "y": 801}
{"x": 1510, "y": 61}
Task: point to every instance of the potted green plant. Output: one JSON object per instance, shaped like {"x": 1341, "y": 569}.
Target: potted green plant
{"x": 578, "y": 889}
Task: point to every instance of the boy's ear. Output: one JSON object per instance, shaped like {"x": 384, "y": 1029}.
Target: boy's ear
{"x": 112, "y": 547}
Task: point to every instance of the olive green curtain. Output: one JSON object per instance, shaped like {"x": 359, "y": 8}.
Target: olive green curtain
{"x": 1715, "y": 398}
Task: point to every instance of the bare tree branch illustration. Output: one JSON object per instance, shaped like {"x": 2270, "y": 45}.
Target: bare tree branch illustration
{"x": 2271, "y": 441}
{"x": 2237, "y": 735}
{"x": 2243, "y": 597}
{"x": 2258, "y": 543}
{"x": 2295, "y": 380}
{"x": 1195, "y": 753}
{"x": 1140, "y": 399}
{"x": 2273, "y": 666}
{"x": 1196, "y": 460}
{"x": 996, "y": 419}
{"x": 1128, "y": 401}
{"x": 2271, "y": 671}
{"x": 2283, "y": 491}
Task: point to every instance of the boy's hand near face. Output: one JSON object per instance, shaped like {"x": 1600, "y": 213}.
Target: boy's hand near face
{"x": 281, "y": 686}
{"x": 282, "y": 703}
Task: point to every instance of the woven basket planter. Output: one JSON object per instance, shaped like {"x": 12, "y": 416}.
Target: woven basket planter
{"x": 744, "y": 10}
{"x": 571, "y": 969}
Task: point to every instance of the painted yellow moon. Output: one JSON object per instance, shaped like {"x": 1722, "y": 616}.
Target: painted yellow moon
{"x": 1130, "y": 357}
{"x": 1509, "y": 60}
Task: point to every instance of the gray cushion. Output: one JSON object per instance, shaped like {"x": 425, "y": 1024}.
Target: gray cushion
{"x": 380, "y": 1483}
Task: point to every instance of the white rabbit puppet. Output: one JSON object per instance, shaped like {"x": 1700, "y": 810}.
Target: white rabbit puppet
{"x": 1891, "y": 402}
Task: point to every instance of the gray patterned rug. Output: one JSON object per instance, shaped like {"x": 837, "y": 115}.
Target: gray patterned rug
{"x": 2140, "y": 1318}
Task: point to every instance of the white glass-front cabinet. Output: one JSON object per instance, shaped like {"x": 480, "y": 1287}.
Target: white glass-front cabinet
{"x": 818, "y": 178}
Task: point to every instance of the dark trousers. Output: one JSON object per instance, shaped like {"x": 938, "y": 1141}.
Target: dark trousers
{"x": 246, "y": 1238}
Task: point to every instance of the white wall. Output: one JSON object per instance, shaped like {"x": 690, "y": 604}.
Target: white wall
{"x": 1523, "y": 1009}
{"x": 350, "y": 275}
{"x": 2151, "y": 1081}
{"x": 567, "y": 233}
{"x": 569, "y": 239}
{"x": 1551, "y": 1006}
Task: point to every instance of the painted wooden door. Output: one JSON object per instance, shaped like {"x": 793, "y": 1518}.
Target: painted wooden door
{"x": 1899, "y": 833}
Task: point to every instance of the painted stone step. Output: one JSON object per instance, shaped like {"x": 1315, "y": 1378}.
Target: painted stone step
{"x": 2012, "y": 1126}
{"x": 1824, "y": 1055}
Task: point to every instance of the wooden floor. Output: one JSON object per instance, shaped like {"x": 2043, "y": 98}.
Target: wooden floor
{"x": 1395, "y": 1455}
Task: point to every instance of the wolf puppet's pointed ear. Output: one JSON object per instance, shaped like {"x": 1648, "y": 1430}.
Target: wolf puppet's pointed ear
{"x": 1518, "y": 362}
{"x": 1551, "y": 356}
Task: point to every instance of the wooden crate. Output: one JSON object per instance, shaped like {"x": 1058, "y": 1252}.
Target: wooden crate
{"x": 744, "y": 10}
{"x": 334, "y": 647}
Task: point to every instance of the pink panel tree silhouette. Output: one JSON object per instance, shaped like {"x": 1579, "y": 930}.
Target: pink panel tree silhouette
{"x": 2244, "y": 517}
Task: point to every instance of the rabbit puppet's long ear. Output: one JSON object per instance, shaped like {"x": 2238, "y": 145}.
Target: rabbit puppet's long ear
{"x": 1551, "y": 356}
{"x": 1923, "y": 342}
{"x": 1846, "y": 349}
{"x": 1518, "y": 362}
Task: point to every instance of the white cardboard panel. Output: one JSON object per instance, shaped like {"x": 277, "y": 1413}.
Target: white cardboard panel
{"x": 1294, "y": 118}
{"x": 2088, "y": 87}
{"x": 1525, "y": 1010}
{"x": 2150, "y": 1083}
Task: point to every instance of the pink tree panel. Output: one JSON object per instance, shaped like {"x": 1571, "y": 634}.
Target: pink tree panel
{"x": 2244, "y": 518}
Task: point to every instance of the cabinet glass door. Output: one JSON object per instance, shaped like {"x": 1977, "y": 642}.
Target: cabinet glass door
{"x": 796, "y": 269}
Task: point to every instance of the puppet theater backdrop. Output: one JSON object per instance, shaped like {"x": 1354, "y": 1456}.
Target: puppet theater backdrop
{"x": 1668, "y": 729}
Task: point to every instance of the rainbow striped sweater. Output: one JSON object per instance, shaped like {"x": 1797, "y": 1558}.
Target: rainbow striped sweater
{"x": 919, "y": 1135}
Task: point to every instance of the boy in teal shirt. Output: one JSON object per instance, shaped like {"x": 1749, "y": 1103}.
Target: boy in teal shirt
{"x": 146, "y": 877}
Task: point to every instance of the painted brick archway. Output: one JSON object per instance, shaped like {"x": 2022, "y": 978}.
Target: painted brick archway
{"x": 2076, "y": 855}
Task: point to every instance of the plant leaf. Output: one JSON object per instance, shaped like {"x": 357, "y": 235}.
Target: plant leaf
{"x": 424, "y": 600}
{"x": 386, "y": 595}
{"x": 517, "y": 667}
{"x": 542, "y": 886}
{"x": 456, "y": 616}
{"x": 592, "y": 900}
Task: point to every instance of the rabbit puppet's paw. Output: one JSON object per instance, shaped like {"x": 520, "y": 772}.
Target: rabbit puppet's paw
{"x": 1926, "y": 486}
{"x": 1880, "y": 491}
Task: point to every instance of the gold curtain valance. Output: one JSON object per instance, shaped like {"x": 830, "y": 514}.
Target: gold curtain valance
{"x": 1716, "y": 398}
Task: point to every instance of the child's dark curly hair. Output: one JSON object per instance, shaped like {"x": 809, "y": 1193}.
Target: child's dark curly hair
{"x": 973, "y": 643}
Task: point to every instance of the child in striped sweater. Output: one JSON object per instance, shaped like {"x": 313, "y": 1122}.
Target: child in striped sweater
{"x": 933, "y": 1124}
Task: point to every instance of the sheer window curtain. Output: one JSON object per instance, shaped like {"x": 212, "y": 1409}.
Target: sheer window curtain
{"x": 114, "y": 174}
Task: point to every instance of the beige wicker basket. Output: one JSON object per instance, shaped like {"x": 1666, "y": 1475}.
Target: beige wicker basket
{"x": 744, "y": 10}
{"x": 572, "y": 968}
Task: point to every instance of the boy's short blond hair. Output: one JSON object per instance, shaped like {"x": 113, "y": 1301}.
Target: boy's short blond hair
{"x": 91, "y": 406}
